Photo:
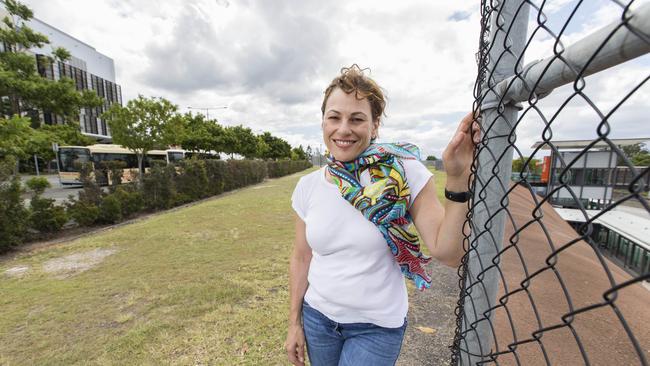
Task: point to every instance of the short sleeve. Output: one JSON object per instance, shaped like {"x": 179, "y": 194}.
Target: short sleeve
{"x": 298, "y": 200}
{"x": 417, "y": 176}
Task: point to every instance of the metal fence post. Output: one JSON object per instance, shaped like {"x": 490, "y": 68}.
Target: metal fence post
{"x": 613, "y": 44}
{"x": 508, "y": 28}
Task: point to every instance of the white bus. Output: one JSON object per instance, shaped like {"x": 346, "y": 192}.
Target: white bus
{"x": 70, "y": 159}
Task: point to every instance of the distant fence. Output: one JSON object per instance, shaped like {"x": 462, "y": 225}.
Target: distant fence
{"x": 517, "y": 306}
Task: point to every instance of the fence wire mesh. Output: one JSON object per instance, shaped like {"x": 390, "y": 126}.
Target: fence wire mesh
{"x": 556, "y": 268}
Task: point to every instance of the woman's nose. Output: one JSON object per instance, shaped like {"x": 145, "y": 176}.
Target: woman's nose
{"x": 344, "y": 126}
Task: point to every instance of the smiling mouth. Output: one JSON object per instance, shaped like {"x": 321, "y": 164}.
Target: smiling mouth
{"x": 344, "y": 143}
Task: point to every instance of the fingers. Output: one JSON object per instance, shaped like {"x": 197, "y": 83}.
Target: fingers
{"x": 296, "y": 354}
{"x": 476, "y": 132}
{"x": 301, "y": 354}
{"x": 457, "y": 140}
{"x": 464, "y": 123}
{"x": 464, "y": 138}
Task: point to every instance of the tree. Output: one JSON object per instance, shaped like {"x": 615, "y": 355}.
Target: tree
{"x": 68, "y": 134}
{"x": 631, "y": 150}
{"x": 637, "y": 153}
{"x": 19, "y": 140}
{"x": 641, "y": 158}
{"x": 431, "y": 158}
{"x": 298, "y": 153}
{"x": 202, "y": 135}
{"x": 241, "y": 140}
{"x": 277, "y": 147}
{"x": 262, "y": 147}
{"x": 533, "y": 166}
{"x": 144, "y": 124}
{"x": 21, "y": 84}
{"x": 14, "y": 137}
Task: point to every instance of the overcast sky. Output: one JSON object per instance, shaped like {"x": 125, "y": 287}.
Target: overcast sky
{"x": 270, "y": 60}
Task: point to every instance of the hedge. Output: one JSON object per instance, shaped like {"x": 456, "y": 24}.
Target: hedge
{"x": 281, "y": 168}
{"x": 163, "y": 186}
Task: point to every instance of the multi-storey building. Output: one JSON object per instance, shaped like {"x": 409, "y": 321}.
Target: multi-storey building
{"x": 89, "y": 69}
{"x": 590, "y": 172}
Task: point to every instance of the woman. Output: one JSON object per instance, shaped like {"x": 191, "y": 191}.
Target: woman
{"x": 355, "y": 234}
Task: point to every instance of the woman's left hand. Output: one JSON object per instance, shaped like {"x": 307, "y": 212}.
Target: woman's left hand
{"x": 458, "y": 155}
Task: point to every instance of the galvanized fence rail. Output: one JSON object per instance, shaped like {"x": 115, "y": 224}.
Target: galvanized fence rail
{"x": 507, "y": 91}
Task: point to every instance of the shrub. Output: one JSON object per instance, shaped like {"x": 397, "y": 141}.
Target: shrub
{"x": 83, "y": 213}
{"x": 240, "y": 173}
{"x": 216, "y": 173}
{"x": 110, "y": 210}
{"x": 38, "y": 184}
{"x": 85, "y": 210}
{"x": 130, "y": 198}
{"x": 91, "y": 192}
{"x": 114, "y": 171}
{"x": 192, "y": 180}
{"x": 285, "y": 167}
{"x": 45, "y": 216}
{"x": 14, "y": 217}
{"x": 158, "y": 187}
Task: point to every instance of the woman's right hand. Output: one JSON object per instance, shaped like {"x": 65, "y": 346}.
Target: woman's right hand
{"x": 295, "y": 345}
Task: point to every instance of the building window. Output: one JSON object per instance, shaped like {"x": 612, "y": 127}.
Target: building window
{"x": 569, "y": 176}
{"x": 596, "y": 176}
{"x": 45, "y": 67}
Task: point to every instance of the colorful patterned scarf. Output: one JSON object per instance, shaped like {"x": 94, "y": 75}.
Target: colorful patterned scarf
{"x": 385, "y": 201}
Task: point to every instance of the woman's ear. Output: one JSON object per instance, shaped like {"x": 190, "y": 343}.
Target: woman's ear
{"x": 375, "y": 129}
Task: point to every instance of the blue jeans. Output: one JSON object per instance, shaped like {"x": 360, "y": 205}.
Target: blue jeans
{"x": 343, "y": 344}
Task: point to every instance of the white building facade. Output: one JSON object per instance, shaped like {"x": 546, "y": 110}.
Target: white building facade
{"x": 88, "y": 68}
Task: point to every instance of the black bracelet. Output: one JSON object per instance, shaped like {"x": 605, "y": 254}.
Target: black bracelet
{"x": 457, "y": 196}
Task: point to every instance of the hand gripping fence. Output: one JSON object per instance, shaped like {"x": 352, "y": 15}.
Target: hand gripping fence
{"x": 531, "y": 291}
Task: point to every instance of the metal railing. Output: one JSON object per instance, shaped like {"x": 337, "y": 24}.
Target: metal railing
{"x": 520, "y": 301}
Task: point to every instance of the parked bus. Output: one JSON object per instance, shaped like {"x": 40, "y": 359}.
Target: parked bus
{"x": 71, "y": 158}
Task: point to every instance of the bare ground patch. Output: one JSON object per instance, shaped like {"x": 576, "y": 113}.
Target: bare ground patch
{"x": 70, "y": 265}
{"x": 17, "y": 271}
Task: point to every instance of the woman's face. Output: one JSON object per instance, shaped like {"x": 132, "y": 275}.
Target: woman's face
{"x": 347, "y": 125}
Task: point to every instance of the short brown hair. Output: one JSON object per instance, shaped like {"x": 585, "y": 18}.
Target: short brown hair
{"x": 352, "y": 79}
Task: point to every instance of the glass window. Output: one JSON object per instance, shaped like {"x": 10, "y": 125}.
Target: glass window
{"x": 595, "y": 176}
{"x": 569, "y": 177}
{"x": 149, "y": 158}
{"x": 71, "y": 159}
{"x": 174, "y": 156}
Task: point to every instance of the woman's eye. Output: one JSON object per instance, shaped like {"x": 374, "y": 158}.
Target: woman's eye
{"x": 333, "y": 117}
{"x": 357, "y": 119}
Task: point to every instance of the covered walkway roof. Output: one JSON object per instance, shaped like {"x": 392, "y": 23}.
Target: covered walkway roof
{"x": 633, "y": 227}
{"x": 581, "y": 144}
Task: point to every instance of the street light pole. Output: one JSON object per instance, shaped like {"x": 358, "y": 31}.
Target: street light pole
{"x": 207, "y": 109}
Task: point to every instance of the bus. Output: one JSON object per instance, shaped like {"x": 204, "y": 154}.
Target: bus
{"x": 71, "y": 158}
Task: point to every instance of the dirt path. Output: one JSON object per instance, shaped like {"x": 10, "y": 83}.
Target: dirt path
{"x": 431, "y": 320}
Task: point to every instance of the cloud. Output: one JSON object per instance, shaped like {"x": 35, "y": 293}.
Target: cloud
{"x": 269, "y": 61}
{"x": 273, "y": 50}
{"x": 459, "y": 16}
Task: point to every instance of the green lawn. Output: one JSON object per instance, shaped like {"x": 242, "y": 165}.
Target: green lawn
{"x": 205, "y": 284}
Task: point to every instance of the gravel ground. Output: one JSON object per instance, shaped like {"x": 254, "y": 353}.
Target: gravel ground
{"x": 431, "y": 320}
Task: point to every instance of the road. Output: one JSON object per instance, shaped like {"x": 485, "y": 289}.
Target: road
{"x": 57, "y": 191}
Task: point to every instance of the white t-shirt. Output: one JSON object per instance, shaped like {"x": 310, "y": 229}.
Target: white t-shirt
{"x": 353, "y": 277}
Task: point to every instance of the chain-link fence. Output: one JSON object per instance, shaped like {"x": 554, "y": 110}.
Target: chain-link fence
{"x": 557, "y": 264}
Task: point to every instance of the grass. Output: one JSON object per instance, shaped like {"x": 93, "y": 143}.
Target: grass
{"x": 206, "y": 284}
{"x": 440, "y": 178}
